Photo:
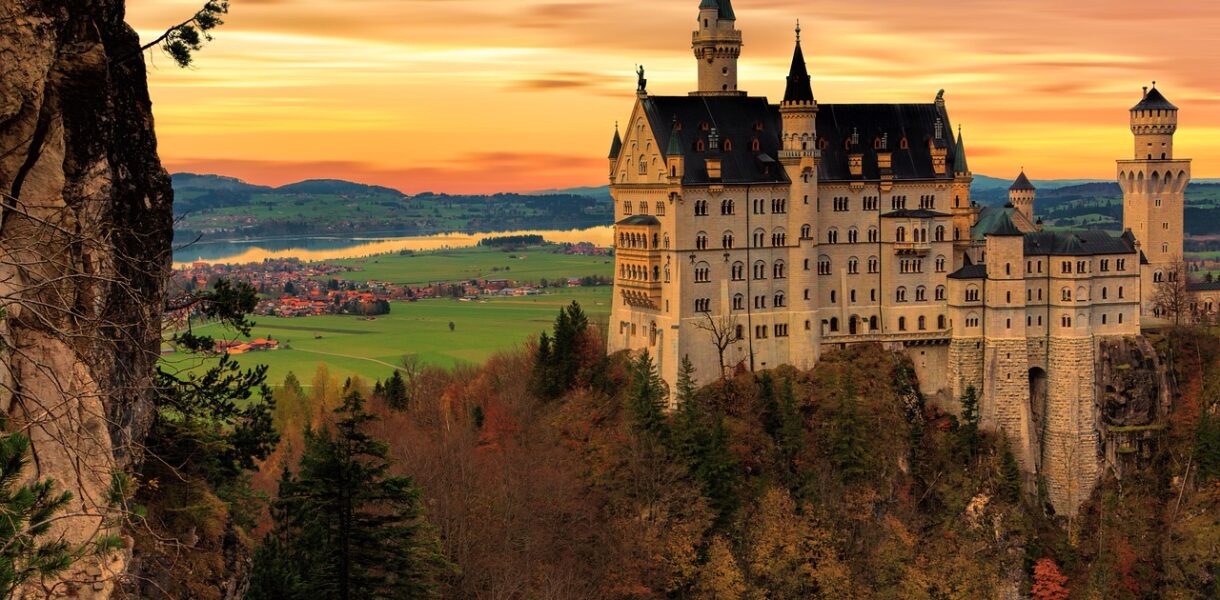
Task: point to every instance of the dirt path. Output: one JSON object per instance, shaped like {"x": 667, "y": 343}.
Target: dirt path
{"x": 364, "y": 358}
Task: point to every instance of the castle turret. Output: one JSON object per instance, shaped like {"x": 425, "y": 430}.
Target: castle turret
{"x": 675, "y": 158}
{"x": 1154, "y": 191}
{"x": 616, "y": 146}
{"x": 1021, "y": 195}
{"x": 963, "y": 209}
{"x": 717, "y": 45}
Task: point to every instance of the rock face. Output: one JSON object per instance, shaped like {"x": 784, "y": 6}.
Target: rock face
{"x": 1133, "y": 400}
{"x": 85, "y": 226}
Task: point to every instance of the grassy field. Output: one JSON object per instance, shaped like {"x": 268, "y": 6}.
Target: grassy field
{"x": 349, "y": 345}
{"x": 530, "y": 265}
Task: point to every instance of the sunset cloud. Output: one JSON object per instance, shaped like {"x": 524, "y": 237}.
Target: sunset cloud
{"x": 425, "y": 94}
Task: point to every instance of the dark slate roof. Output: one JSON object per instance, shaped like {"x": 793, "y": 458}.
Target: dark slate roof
{"x": 914, "y": 213}
{"x": 989, "y": 218}
{"x": 970, "y": 271}
{"x": 1203, "y": 286}
{"x": 1022, "y": 184}
{"x": 616, "y": 145}
{"x": 915, "y": 122}
{"x": 1154, "y": 100}
{"x": 1003, "y": 227}
{"x": 734, "y": 118}
{"x": 675, "y": 142}
{"x": 640, "y": 220}
{"x": 1076, "y": 243}
{"x": 726, "y": 10}
{"x": 799, "y": 87}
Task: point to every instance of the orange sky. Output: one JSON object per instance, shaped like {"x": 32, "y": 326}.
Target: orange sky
{"x": 480, "y": 95}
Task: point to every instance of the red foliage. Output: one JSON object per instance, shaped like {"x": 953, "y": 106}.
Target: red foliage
{"x": 1049, "y": 583}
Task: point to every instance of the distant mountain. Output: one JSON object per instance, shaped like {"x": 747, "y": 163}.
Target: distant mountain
{"x": 598, "y": 193}
{"x": 213, "y": 183}
{"x": 336, "y": 187}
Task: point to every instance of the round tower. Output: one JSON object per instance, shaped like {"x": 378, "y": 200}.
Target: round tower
{"x": 1021, "y": 196}
{"x": 1154, "y": 121}
{"x": 717, "y": 45}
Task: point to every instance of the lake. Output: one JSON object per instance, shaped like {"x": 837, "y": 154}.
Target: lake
{"x": 320, "y": 248}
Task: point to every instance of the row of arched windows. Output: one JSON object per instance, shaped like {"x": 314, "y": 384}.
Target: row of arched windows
{"x": 628, "y": 209}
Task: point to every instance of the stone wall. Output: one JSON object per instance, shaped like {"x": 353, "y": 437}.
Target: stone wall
{"x": 965, "y": 365}
{"x": 932, "y": 367}
{"x": 1069, "y": 450}
{"x": 1005, "y": 404}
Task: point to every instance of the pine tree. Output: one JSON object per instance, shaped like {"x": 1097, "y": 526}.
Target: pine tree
{"x": 1207, "y": 446}
{"x": 685, "y": 386}
{"x": 542, "y": 380}
{"x": 647, "y": 395}
{"x": 28, "y": 510}
{"x": 396, "y": 391}
{"x": 968, "y": 431}
{"x": 352, "y": 529}
{"x": 790, "y": 432}
{"x": 848, "y": 446}
{"x": 1010, "y": 474}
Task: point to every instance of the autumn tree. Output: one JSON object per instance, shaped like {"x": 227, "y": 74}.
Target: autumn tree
{"x": 1049, "y": 583}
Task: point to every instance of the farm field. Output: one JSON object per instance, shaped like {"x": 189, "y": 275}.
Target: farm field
{"x": 350, "y": 345}
{"x": 530, "y": 265}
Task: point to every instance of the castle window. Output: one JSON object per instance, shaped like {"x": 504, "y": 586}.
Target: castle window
{"x": 1008, "y": 297}
{"x": 1103, "y": 318}
{"x": 900, "y": 294}
{"x": 755, "y": 145}
{"x": 760, "y": 302}
{"x": 874, "y": 265}
{"x": 779, "y": 238}
{"x": 1105, "y": 265}
{"x": 834, "y": 324}
{"x": 901, "y": 234}
{"x": 1082, "y": 266}
{"x": 1120, "y": 318}
{"x": 660, "y": 209}
{"x": 728, "y": 145}
{"x": 1067, "y": 266}
{"x": 921, "y": 294}
{"x": 823, "y": 265}
{"x": 703, "y": 305}
{"x": 834, "y": 297}
{"x": 780, "y": 300}
{"x": 1121, "y": 264}
{"x": 872, "y": 296}
{"x": 643, "y": 165}
{"x": 1008, "y": 268}
{"x": 853, "y": 235}
{"x": 700, "y": 208}
{"x": 853, "y": 266}
{"x": 778, "y": 270}
{"x": 873, "y": 235}
{"x": 1165, "y": 247}
{"x": 940, "y": 293}
{"x": 781, "y": 330}
{"x": 760, "y": 332}
{"x": 1157, "y": 277}
{"x": 760, "y": 270}
{"x": 806, "y": 264}
{"x": 806, "y": 293}
{"x": 808, "y": 325}
{"x": 1067, "y": 295}
{"x": 851, "y": 296}
{"x": 703, "y": 273}
{"x": 759, "y": 237}
{"x": 726, "y": 240}
{"x": 741, "y": 332}
{"x": 940, "y": 322}
{"x": 1066, "y": 321}
{"x": 627, "y": 208}
{"x": 823, "y": 144}
{"x": 704, "y": 126}
{"x": 972, "y": 294}
{"x": 832, "y": 236}
{"x": 1104, "y": 293}
{"x": 806, "y": 232}
{"x": 940, "y": 264}
{"x": 726, "y": 207}
{"x": 700, "y": 146}
{"x": 739, "y": 302}
{"x": 940, "y": 233}
{"x": 923, "y": 323}
{"x": 902, "y": 323}
{"x": 903, "y": 144}
{"x": 739, "y": 271}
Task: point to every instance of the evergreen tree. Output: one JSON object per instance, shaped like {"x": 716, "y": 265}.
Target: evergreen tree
{"x": 685, "y": 386}
{"x": 790, "y": 432}
{"x": 1010, "y": 475}
{"x": 351, "y": 529}
{"x": 542, "y": 380}
{"x": 848, "y": 449}
{"x": 28, "y": 510}
{"x": 647, "y": 395}
{"x": 395, "y": 391}
{"x": 968, "y": 432}
{"x": 1207, "y": 446}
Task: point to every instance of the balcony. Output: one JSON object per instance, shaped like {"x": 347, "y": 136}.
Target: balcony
{"x": 912, "y": 248}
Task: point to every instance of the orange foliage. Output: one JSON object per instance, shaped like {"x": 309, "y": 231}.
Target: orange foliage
{"x": 1049, "y": 583}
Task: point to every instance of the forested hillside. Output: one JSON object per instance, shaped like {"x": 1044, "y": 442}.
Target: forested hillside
{"x": 214, "y": 207}
{"x": 836, "y": 483}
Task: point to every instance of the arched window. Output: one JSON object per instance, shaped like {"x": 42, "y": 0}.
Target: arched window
{"x": 806, "y": 232}
{"x": 940, "y": 292}
{"x": 755, "y": 146}
{"x": 921, "y": 294}
{"x": 660, "y": 209}
{"x": 940, "y": 233}
{"x": 902, "y": 323}
{"x": 643, "y": 165}
{"x": 900, "y": 294}
{"x": 739, "y": 271}
{"x": 726, "y": 240}
{"x": 853, "y": 235}
{"x": 780, "y": 300}
{"x": 739, "y": 302}
{"x": 901, "y": 234}
{"x": 940, "y": 322}
{"x": 853, "y": 266}
{"x": 701, "y": 241}
{"x": 759, "y": 238}
{"x": 873, "y": 236}
{"x": 778, "y": 270}
{"x": 940, "y": 264}
{"x": 703, "y": 273}
{"x": 832, "y": 236}
{"x": 923, "y": 323}
{"x": 760, "y": 270}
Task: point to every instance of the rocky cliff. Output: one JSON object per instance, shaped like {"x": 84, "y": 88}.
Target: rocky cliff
{"x": 85, "y": 228}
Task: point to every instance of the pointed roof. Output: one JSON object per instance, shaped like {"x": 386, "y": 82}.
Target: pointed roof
{"x": 1004, "y": 227}
{"x": 959, "y": 156}
{"x": 799, "y": 88}
{"x": 1022, "y": 184}
{"x": 675, "y": 141}
{"x": 616, "y": 145}
{"x": 1154, "y": 100}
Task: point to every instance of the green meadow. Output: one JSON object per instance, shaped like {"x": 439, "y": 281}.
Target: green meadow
{"x": 529, "y": 265}
{"x": 370, "y": 348}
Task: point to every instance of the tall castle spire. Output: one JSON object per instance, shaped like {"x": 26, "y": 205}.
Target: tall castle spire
{"x": 799, "y": 87}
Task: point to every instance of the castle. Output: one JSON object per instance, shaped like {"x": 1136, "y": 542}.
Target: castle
{"x": 751, "y": 235}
